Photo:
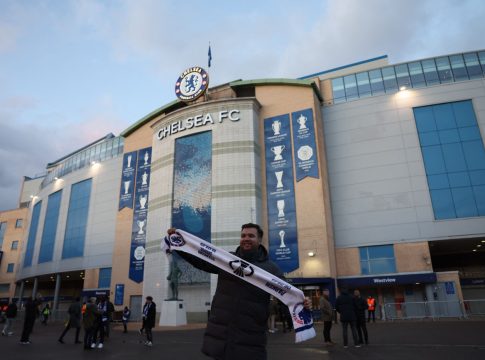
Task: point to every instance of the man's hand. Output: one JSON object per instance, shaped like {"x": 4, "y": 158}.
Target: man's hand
{"x": 171, "y": 231}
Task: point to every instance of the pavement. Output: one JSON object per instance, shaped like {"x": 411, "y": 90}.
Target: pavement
{"x": 415, "y": 340}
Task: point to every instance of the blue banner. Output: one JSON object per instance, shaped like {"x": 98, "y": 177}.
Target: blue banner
{"x": 384, "y": 280}
{"x": 127, "y": 181}
{"x": 119, "y": 293}
{"x": 280, "y": 193}
{"x": 138, "y": 230}
{"x": 304, "y": 145}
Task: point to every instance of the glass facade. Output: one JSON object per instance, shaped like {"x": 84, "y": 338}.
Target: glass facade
{"x": 104, "y": 280}
{"x": 29, "y": 251}
{"x": 414, "y": 74}
{"x": 3, "y": 228}
{"x": 50, "y": 227}
{"x": 77, "y": 219}
{"x": 454, "y": 159}
{"x": 377, "y": 260}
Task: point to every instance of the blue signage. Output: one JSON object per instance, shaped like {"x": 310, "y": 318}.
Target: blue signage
{"x": 127, "y": 181}
{"x": 387, "y": 280}
{"x": 280, "y": 193}
{"x": 304, "y": 144}
{"x": 450, "y": 287}
{"x": 119, "y": 293}
{"x": 138, "y": 230}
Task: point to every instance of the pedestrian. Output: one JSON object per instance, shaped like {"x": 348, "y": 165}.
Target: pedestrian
{"x": 125, "y": 318}
{"x": 327, "y": 315}
{"x": 361, "y": 307}
{"x": 273, "y": 312}
{"x": 74, "y": 321}
{"x": 110, "y": 310}
{"x": 101, "y": 323}
{"x": 237, "y": 324}
{"x": 149, "y": 313}
{"x": 90, "y": 320}
{"x": 345, "y": 306}
{"x": 10, "y": 315}
{"x": 46, "y": 311}
{"x": 31, "y": 312}
{"x": 371, "y": 308}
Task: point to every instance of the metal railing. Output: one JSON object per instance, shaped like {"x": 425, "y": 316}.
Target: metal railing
{"x": 433, "y": 309}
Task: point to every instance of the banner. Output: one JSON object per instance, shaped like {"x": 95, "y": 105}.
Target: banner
{"x": 138, "y": 232}
{"x": 119, "y": 294}
{"x": 127, "y": 181}
{"x": 304, "y": 145}
{"x": 280, "y": 193}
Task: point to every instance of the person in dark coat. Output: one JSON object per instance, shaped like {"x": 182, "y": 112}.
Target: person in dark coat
{"x": 125, "y": 318}
{"x": 31, "y": 313}
{"x": 74, "y": 321}
{"x": 149, "y": 313}
{"x": 90, "y": 320}
{"x": 345, "y": 306}
{"x": 361, "y": 307}
{"x": 236, "y": 328}
{"x": 10, "y": 315}
{"x": 327, "y": 315}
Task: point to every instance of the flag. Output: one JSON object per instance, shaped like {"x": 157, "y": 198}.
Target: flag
{"x": 209, "y": 54}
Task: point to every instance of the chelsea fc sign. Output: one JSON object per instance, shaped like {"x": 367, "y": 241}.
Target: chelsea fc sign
{"x": 192, "y": 84}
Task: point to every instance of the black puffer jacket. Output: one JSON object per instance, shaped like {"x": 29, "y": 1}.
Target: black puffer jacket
{"x": 346, "y": 307}
{"x": 237, "y": 324}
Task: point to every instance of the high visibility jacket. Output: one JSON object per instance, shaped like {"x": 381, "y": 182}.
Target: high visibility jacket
{"x": 83, "y": 309}
{"x": 371, "y": 304}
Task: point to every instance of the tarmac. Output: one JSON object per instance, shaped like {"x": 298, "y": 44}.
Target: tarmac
{"x": 415, "y": 340}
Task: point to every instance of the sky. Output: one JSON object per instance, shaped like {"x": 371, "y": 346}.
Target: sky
{"x": 74, "y": 71}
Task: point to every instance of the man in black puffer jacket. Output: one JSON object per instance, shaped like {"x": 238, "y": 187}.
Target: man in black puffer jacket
{"x": 346, "y": 307}
{"x": 237, "y": 325}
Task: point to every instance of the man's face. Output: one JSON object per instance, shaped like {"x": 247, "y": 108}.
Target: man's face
{"x": 249, "y": 239}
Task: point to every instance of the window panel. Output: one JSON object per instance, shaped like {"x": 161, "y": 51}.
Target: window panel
{"x": 464, "y": 114}
{"x": 364, "y": 268}
{"x": 10, "y": 267}
{"x": 444, "y": 116}
{"x": 454, "y": 157}
{"x": 424, "y": 119}
{"x": 15, "y": 245}
{"x": 350, "y": 87}
{"x": 479, "y": 192}
{"x": 474, "y": 154}
{"x": 458, "y": 67}
{"x": 363, "y": 84}
{"x": 402, "y": 76}
{"x": 104, "y": 280}
{"x": 376, "y": 82}
{"x": 430, "y": 72}
{"x": 464, "y": 201}
{"x": 377, "y": 259}
{"x": 377, "y": 252}
{"x": 481, "y": 57}
{"x": 459, "y": 179}
{"x": 48, "y": 239}
{"x": 449, "y": 136}
{"x": 433, "y": 160}
{"x": 444, "y": 69}
{"x": 34, "y": 222}
{"x": 469, "y": 133}
{"x": 429, "y": 138}
{"x": 472, "y": 65}
{"x": 443, "y": 206}
{"x": 416, "y": 74}
{"x": 477, "y": 177}
{"x": 382, "y": 266}
{"x": 436, "y": 182}
{"x": 389, "y": 76}
{"x": 364, "y": 255}
{"x": 338, "y": 90}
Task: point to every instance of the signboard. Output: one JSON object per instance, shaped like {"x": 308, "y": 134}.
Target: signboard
{"x": 192, "y": 84}
{"x": 127, "y": 180}
{"x": 305, "y": 149}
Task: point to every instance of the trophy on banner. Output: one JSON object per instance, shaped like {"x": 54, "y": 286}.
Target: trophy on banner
{"x": 143, "y": 201}
{"x": 279, "y": 176}
{"x": 128, "y": 161}
{"x": 144, "y": 178}
{"x": 302, "y": 120}
{"x": 141, "y": 224}
{"x": 146, "y": 158}
{"x": 277, "y": 150}
{"x": 282, "y": 239}
{"x": 280, "y": 205}
{"x": 276, "y": 126}
{"x": 127, "y": 186}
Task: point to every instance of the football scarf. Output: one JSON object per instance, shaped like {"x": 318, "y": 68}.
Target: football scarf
{"x": 273, "y": 285}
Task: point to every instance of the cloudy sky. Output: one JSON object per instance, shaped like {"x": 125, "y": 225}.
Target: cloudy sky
{"x": 73, "y": 71}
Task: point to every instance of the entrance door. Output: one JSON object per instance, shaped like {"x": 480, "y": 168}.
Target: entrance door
{"x": 135, "y": 307}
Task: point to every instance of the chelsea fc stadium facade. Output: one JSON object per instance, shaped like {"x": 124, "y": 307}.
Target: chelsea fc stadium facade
{"x": 368, "y": 176}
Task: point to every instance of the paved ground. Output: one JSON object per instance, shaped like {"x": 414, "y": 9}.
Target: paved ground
{"x": 453, "y": 339}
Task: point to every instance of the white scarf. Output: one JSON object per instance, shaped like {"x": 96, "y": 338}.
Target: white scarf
{"x": 288, "y": 294}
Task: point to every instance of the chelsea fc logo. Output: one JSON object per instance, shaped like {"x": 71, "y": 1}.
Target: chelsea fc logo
{"x": 191, "y": 84}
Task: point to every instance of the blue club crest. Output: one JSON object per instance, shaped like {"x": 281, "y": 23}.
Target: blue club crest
{"x": 191, "y": 84}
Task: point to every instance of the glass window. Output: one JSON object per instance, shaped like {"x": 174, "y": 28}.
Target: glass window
{"x": 454, "y": 157}
{"x": 479, "y": 192}
{"x": 377, "y": 259}
{"x": 34, "y": 222}
{"x": 474, "y": 154}
{"x": 338, "y": 90}
{"x": 459, "y": 179}
{"x": 464, "y": 114}
{"x": 477, "y": 177}
{"x": 444, "y": 117}
{"x": 350, "y": 87}
{"x": 402, "y": 75}
{"x": 424, "y": 119}
{"x": 416, "y": 74}
{"x": 458, "y": 67}
{"x": 449, "y": 136}
{"x": 429, "y": 138}
{"x": 464, "y": 201}
{"x": 389, "y": 76}
{"x": 481, "y": 57}
{"x": 18, "y": 223}
{"x": 472, "y": 65}
{"x": 443, "y": 206}
{"x": 440, "y": 181}
{"x": 433, "y": 160}
{"x": 469, "y": 133}
{"x": 430, "y": 72}
{"x": 104, "y": 280}
{"x": 48, "y": 239}
{"x": 444, "y": 69}
{"x": 363, "y": 84}
{"x": 10, "y": 267}
{"x": 15, "y": 245}
{"x": 3, "y": 228}
{"x": 376, "y": 82}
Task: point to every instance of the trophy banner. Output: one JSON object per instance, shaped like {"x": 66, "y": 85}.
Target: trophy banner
{"x": 128, "y": 180}
{"x": 304, "y": 145}
{"x": 230, "y": 263}
{"x": 280, "y": 193}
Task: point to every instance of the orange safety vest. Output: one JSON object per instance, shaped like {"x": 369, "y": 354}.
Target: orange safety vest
{"x": 371, "y": 304}
{"x": 83, "y": 309}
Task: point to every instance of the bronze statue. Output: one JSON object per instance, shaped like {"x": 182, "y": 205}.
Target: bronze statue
{"x": 173, "y": 277}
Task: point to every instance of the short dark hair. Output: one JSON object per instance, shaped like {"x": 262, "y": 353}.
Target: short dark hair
{"x": 149, "y": 298}
{"x": 253, "y": 226}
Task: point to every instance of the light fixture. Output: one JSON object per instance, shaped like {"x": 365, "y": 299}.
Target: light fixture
{"x": 67, "y": 276}
{"x": 93, "y": 162}
{"x": 402, "y": 88}
{"x": 311, "y": 253}
{"x": 479, "y": 245}
{"x": 418, "y": 283}
{"x": 56, "y": 178}
{"x": 474, "y": 250}
{"x": 483, "y": 241}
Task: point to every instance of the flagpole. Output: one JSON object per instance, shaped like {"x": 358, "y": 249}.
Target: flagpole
{"x": 209, "y": 59}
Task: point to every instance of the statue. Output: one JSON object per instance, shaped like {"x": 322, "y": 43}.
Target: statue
{"x": 173, "y": 277}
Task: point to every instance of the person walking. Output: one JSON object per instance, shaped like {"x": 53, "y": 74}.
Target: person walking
{"x": 46, "y": 311}
{"x": 327, "y": 315}
{"x": 110, "y": 310}
{"x": 10, "y": 315}
{"x": 361, "y": 307}
{"x": 90, "y": 316}
{"x": 30, "y": 314}
{"x": 371, "y": 308}
{"x": 101, "y": 323}
{"x": 149, "y": 313}
{"x": 74, "y": 321}
{"x": 125, "y": 318}
{"x": 345, "y": 306}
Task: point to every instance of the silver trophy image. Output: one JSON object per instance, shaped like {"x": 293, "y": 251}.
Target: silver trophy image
{"x": 146, "y": 158}
{"x": 141, "y": 224}
{"x": 144, "y": 178}
{"x": 128, "y": 161}
{"x": 282, "y": 239}
{"x": 127, "y": 186}
{"x": 143, "y": 201}
{"x": 280, "y": 205}
{"x": 279, "y": 176}
{"x": 276, "y": 126}
{"x": 277, "y": 150}
{"x": 302, "y": 120}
